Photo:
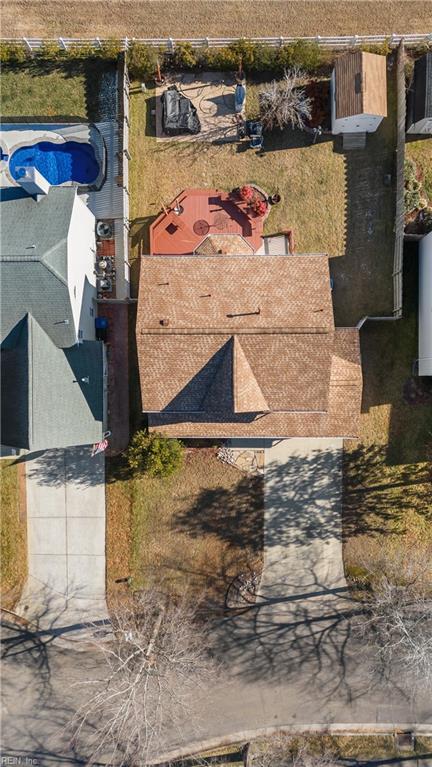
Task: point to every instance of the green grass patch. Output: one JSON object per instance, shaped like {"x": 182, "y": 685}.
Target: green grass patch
{"x": 13, "y": 560}
{"x": 40, "y": 91}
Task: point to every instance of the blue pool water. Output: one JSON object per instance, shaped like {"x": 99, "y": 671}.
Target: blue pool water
{"x": 70, "y": 161}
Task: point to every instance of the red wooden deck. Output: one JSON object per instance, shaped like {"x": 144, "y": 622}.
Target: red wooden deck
{"x": 202, "y": 212}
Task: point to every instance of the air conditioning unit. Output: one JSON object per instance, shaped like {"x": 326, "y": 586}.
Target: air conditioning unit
{"x": 105, "y": 230}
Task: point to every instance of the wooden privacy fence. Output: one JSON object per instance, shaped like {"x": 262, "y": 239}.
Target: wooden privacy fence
{"x": 400, "y": 184}
{"x": 169, "y": 43}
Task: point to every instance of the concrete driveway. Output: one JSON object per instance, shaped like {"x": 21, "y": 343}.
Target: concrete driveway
{"x": 66, "y": 538}
{"x": 303, "y": 525}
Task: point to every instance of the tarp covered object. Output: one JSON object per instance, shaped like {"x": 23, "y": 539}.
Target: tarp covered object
{"x": 178, "y": 113}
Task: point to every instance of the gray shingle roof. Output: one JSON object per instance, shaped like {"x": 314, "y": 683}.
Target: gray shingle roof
{"x": 33, "y": 257}
{"x": 45, "y": 402}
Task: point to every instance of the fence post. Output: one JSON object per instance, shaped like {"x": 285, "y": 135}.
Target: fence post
{"x": 281, "y": 42}
{"x": 28, "y": 44}
{"x": 62, "y": 44}
{"x": 125, "y": 44}
{"x": 207, "y": 42}
{"x": 98, "y": 42}
{"x": 170, "y": 44}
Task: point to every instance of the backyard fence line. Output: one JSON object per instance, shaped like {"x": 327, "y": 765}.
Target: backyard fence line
{"x": 169, "y": 43}
{"x": 400, "y": 183}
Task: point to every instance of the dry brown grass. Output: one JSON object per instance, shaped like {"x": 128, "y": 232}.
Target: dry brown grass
{"x": 154, "y": 18}
{"x": 197, "y": 529}
{"x": 13, "y": 558}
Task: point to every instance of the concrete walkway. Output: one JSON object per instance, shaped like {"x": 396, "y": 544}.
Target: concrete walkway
{"x": 66, "y": 539}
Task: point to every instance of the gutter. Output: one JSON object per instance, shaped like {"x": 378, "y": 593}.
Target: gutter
{"x": 367, "y": 317}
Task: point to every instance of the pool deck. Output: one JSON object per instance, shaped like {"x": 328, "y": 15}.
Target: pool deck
{"x": 13, "y": 136}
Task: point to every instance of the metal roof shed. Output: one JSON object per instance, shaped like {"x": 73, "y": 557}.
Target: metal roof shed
{"x": 425, "y": 306}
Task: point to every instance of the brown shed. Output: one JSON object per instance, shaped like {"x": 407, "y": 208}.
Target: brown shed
{"x": 360, "y": 85}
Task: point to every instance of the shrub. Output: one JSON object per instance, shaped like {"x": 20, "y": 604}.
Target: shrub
{"x": 184, "y": 56}
{"x": 13, "y": 53}
{"x": 382, "y": 49}
{"x": 224, "y": 58}
{"x": 141, "y": 60}
{"x": 303, "y": 54}
{"x": 80, "y": 52}
{"x": 50, "y": 51}
{"x": 154, "y": 454}
{"x": 254, "y": 57}
{"x": 111, "y": 49}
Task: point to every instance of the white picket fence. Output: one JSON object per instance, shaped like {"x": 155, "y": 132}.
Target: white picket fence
{"x": 169, "y": 44}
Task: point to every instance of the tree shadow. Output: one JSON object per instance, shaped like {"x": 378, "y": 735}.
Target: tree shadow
{"x": 234, "y": 515}
{"x": 56, "y": 467}
{"x": 374, "y": 499}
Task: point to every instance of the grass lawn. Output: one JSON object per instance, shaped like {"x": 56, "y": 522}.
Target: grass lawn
{"x": 197, "y": 529}
{"x": 13, "y": 560}
{"x": 310, "y": 179}
{"x": 336, "y": 203}
{"x": 40, "y": 91}
{"x": 154, "y": 18}
{"x": 388, "y": 474}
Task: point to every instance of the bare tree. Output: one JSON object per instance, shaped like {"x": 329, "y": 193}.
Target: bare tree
{"x": 285, "y": 103}
{"x": 398, "y": 606}
{"x": 156, "y": 660}
{"x": 282, "y": 750}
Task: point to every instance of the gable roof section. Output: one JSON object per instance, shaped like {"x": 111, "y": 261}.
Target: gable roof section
{"x": 361, "y": 84}
{"x": 45, "y": 402}
{"x": 234, "y": 294}
{"x": 33, "y": 263}
{"x": 248, "y": 396}
{"x": 340, "y": 418}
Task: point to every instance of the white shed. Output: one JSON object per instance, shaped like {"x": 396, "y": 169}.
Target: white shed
{"x": 419, "y": 106}
{"x": 425, "y": 306}
{"x": 358, "y": 92}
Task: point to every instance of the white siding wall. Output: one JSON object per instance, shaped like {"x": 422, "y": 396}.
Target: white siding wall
{"x": 425, "y": 306}
{"x": 81, "y": 261}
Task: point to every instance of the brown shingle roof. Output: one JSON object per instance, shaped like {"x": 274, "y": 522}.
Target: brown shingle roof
{"x": 282, "y": 372}
{"x": 235, "y": 294}
{"x": 341, "y": 419}
{"x": 361, "y": 84}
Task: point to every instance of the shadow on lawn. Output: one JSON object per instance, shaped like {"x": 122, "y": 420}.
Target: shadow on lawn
{"x": 376, "y": 499}
{"x": 234, "y": 515}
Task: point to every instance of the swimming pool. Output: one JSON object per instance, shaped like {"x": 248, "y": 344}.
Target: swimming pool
{"x": 58, "y": 163}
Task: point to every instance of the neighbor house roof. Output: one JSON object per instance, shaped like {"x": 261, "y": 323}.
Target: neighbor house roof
{"x": 420, "y": 95}
{"x": 245, "y": 346}
{"x": 33, "y": 263}
{"x": 45, "y": 401}
{"x": 361, "y": 84}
